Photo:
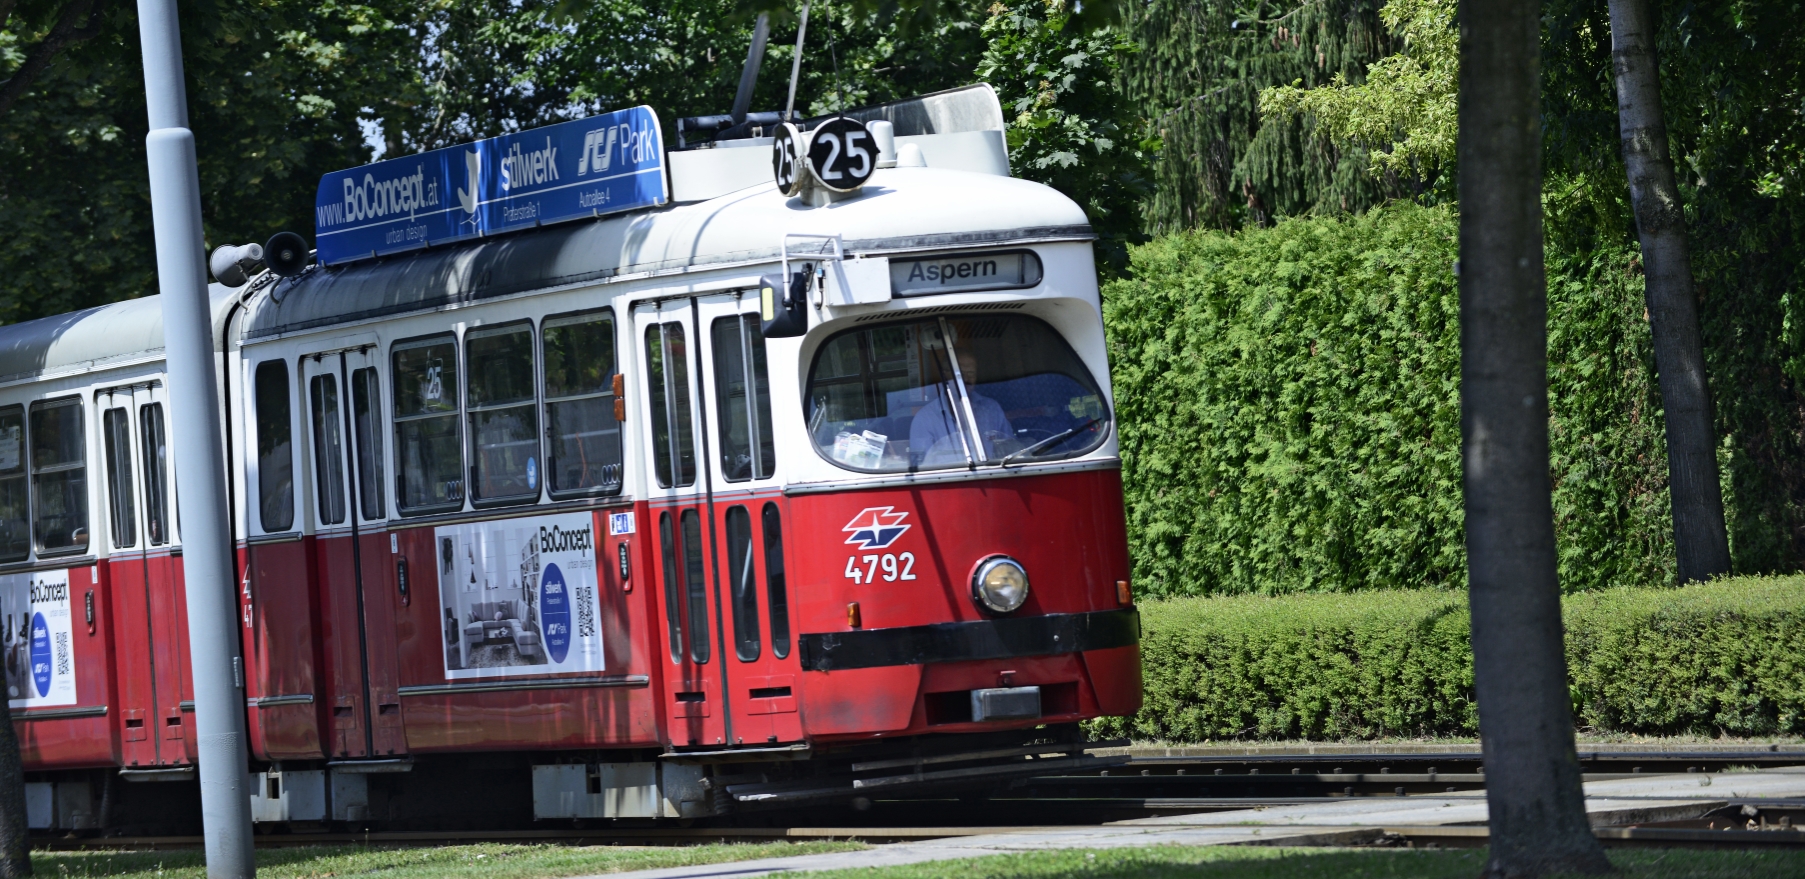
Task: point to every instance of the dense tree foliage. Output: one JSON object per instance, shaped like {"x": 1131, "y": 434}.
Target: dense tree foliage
{"x": 1069, "y": 127}
{"x": 282, "y": 91}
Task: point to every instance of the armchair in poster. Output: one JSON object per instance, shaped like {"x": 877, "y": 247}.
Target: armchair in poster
{"x": 604, "y": 164}
{"x": 518, "y": 596}
{"x": 38, "y": 640}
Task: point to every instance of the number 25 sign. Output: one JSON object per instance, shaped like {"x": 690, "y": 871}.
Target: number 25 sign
{"x": 840, "y": 156}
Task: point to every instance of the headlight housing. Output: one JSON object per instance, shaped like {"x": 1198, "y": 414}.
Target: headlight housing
{"x": 1000, "y": 584}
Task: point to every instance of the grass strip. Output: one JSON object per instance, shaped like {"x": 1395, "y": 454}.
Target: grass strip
{"x": 485, "y": 860}
{"x": 1249, "y": 862}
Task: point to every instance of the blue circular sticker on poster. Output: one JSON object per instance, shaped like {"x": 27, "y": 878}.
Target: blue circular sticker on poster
{"x": 40, "y": 654}
{"x": 554, "y": 613}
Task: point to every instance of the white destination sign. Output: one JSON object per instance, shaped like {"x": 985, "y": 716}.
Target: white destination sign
{"x": 965, "y": 271}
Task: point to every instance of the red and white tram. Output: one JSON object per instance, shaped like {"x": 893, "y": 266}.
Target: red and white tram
{"x": 542, "y": 525}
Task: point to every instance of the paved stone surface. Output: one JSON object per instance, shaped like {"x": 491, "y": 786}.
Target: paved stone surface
{"x": 1617, "y": 801}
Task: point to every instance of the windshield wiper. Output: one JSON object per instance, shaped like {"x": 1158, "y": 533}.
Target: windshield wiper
{"x": 1046, "y": 442}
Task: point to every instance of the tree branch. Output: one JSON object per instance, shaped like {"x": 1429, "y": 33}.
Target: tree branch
{"x": 79, "y": 21}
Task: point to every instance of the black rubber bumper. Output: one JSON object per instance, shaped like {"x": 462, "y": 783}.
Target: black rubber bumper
{"x": 958, "y": 642}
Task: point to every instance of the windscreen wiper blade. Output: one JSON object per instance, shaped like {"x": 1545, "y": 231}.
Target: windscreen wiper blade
{"x": 1047, "y": 442}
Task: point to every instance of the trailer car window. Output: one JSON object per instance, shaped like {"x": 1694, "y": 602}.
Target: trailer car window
{"x": 275, "y": 452}
{"x": 673, "y": 585}
{"x": 503, "y": 413}
{"x": 585, "y": 453}
{"x": 667, "y": 381}
{"x": 366, "y": 419}
{"x": 747, "y": 447}
{"x": 744, "y": 583}
{"x": 427, "y": 447}
{"x": 59, "y": 476}
{"x": 15, "y": 514}
{"x": 116, "y": 427}
{"x": 155, "y": 451}
{"x": 776, "y": 595}
{"x": 890, "y": 398}
{"x": 328, "y": 449}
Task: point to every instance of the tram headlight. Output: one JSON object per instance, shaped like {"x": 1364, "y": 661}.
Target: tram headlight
{"x": 1000, "y": 584}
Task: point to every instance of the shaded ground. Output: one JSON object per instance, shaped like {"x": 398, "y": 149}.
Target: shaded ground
{"x": 488, "y": 861}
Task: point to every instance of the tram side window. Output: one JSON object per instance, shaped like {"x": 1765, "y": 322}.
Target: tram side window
{"x": 275, "y": 449}
{"x": 695, "y": 582}
{"x": 366, "y": 417}
{"x": 744, "y": 583}
{"x": 328, "y": 448}
{"x": 673, "y": 585}
{"x": 116, "y": 427}
{"x": 776, "y": 593}
{"x": 503, "y": 413}
{"x": 15, "y": 515}
{"x": 747, "y": 447}
{"x": 667, "y": 380}
{"x": 155, "y": 450}
{"x": 59, "y": 476}
{"x": 427, "y": 446}
{"x": 585, "y": 453}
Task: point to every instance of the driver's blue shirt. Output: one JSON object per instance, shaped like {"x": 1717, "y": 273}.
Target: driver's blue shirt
{"x": 934, "y": 424}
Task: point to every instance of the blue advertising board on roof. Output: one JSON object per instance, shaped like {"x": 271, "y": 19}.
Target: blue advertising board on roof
{"x": 584, "y": 168}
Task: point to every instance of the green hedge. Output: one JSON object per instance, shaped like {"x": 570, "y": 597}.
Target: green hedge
{"x": 1724, "y": 658}
{"x": 1288, "y": 401}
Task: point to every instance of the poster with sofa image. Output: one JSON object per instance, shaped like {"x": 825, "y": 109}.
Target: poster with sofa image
{"x": 518, "y": 596}
{"x": 38, "y": 639}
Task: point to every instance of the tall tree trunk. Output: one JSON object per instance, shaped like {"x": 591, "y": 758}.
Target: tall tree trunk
{"x": 1538, "y": 816}
{"x": 1700, "y": 544}
{"x": 15, "y": 833}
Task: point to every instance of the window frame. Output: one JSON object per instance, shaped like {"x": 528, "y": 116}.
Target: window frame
{"x": 81, "y": 420}
{"x": 960, "y": 406}
{"x": 467, "y": 412}
{"x": 587, "y": 315}
{"x": 456, "y": 414}
{"x": 330, "y": 493}
{"x": 122, "y": 519}
{"x": 257, "y": 423}
{"x": 24, "y": 476}
{"x": 761, "y": 435}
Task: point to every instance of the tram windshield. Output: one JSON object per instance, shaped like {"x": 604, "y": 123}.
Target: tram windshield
{"x": 952, "y": 392}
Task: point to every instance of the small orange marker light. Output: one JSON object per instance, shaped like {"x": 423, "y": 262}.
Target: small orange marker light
{"x": 852, "y": 615}
{"x": 1123, "y": 595}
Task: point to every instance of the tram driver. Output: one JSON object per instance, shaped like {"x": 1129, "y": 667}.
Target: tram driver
{"x": 934, "y": 433}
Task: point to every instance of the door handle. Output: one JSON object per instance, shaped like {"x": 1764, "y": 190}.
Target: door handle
{"x": 401, "y": 579}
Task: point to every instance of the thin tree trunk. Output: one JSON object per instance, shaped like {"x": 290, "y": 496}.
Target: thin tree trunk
{"x": 1537, "y": 809}
{"x": 15, "y": 833}
{"x": 1700, "y": 544}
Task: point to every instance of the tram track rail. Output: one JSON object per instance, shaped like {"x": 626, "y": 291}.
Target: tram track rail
{"x": 1143, "y": 786}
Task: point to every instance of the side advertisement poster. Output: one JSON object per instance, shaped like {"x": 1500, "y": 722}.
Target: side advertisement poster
{"x": 518, "y": 597}
{"x": 38, "y": 639}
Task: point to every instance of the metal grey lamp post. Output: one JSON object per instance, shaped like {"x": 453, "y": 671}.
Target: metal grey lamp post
{"x": 175, "y": 199}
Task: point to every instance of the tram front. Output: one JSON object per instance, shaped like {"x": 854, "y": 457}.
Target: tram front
{"x": 959, "y": 551}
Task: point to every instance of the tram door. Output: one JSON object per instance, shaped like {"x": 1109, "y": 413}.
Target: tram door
{"x": 695, "y": 698}
{"x": 749, "y": 516}
{"x": 146, "y": 587}
{"x": 342, "y": 396}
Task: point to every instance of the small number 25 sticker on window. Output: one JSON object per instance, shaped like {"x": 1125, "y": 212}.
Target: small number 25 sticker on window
{"x": 889, "y": 567}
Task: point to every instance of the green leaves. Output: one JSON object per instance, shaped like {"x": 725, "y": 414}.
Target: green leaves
{"x": 1711, "y": 659}
{"x": 1407, "y": 103}
{"x": 1288, "y": 407}
{"x": 1069, "y": 126}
